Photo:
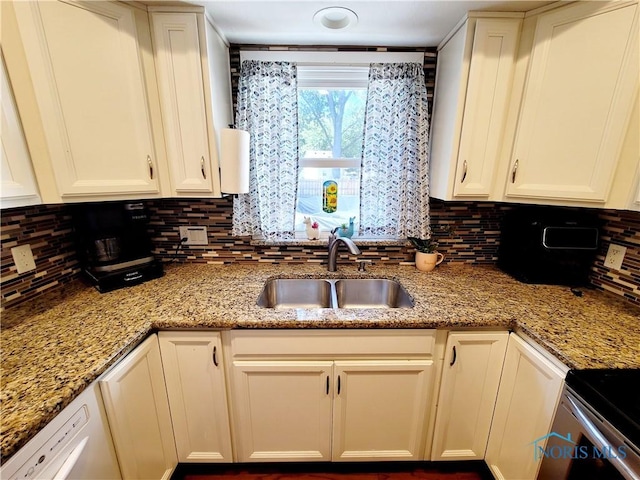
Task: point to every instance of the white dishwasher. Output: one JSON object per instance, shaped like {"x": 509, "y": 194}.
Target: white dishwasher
{"x": 76, "y": 444}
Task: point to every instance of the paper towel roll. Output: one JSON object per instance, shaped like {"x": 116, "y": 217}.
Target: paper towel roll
{"x": 234, "y": 161}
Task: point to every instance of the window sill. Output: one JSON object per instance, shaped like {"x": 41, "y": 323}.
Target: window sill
{"x": 362, "y": 242}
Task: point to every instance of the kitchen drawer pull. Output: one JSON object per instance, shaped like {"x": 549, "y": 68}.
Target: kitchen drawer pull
{"x": 204, "y": 174}
{"x": 455, "y": 355}
{"x": 150, "y": 166}
{"x": 514, "y": 171}
{"x": 327, "y": 384}
{"x": 215, "y": 355}
{"x": 338, "y": 384}
{"x": 464, "y": 171}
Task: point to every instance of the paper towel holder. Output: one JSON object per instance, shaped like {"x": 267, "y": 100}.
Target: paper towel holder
{"x": 234, "y": 160}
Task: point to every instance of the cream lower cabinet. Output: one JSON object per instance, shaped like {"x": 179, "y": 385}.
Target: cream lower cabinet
{"x": 283, "y": 410}
{"x": 195, "y": 378}
{"x": 529, "y": 391}
{"x": 135, "y": 399}
{"x": 320, "y": 396}
{"x": 468, "y": 390}
{"x": 380, "y": 409}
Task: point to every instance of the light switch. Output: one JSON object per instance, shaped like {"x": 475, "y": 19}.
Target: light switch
{"x": 195, "y": 235}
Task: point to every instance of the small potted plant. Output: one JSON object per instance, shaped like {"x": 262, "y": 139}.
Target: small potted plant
{"x": 426, "y": 256}
{"x": 346, "y": 230}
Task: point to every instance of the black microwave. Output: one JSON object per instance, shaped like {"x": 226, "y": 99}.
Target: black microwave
{"x": 549, "y": 245}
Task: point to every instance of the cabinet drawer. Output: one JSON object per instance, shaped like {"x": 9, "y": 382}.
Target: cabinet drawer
{"x": 321, "y": 343}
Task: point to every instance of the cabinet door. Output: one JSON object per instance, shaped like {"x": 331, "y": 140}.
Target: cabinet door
{"x": 182, "y": 97}
{"x": 527, "y": 398}
{"x": 468, "y": 390}
{"x": 380, "y": 409}
{"x": 577, "y": 102}
{"x": 194, "y": 374}
{"x": 282, "y": 410}
{"x": 17, "y": 182}
{"x": 135, "y": 399}
{"x": 86, "y": 68}
{"x": 488, "y": 91}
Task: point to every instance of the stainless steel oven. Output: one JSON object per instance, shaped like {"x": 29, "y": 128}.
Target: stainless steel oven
{"x": 595, "y": 431}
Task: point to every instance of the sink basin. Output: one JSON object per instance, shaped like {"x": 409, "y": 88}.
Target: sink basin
{"x": 296, "y": 293}
{"x": 371, "y": 293}
{"x": 334, "y": 293}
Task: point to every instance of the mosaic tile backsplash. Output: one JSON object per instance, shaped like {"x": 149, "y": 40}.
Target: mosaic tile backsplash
{"x": 471, "y": 234}
{"x": 48, "y": 229}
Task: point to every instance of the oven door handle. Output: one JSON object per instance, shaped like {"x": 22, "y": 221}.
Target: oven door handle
{"x": 71, "y": 460}
{"x": 600, "y": 439}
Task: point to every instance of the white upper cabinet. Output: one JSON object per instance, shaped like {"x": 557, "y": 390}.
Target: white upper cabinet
{"x": 576, "y": 104}
{"x": 88, "y": 76}
{"x": 17, "y": 184}
{"x": 473, "y": 85}
{"x": 182, "y": 43}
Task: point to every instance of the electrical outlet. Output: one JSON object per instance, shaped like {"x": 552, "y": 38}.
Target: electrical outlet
{"x": 615, "y": 256}
{"x": 23, "y": 258}
{"x": 195, "y": 235}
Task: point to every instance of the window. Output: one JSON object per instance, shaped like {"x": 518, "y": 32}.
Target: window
{"x": 331, "y": 107}
{"x": 354, "y": 124}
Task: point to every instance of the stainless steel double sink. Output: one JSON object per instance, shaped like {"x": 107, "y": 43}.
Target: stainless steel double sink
{"x": 334, "y": 293}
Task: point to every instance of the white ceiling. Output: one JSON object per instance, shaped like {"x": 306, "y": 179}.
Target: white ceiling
{"x": 403, "y": 23}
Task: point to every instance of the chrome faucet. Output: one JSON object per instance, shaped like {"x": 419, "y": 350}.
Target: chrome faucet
{"x": 334, "y": 243}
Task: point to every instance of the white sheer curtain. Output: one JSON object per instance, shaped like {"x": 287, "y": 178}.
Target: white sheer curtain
{"x": 394, "y": 187}
{"x": 268, "y": 110}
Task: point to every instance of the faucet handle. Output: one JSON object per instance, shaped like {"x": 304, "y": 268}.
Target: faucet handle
{"x": 362, "y": 264}
{"x": 332, "y": 235}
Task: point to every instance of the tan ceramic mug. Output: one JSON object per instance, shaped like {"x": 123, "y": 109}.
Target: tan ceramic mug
{"x": 428, "y": 261}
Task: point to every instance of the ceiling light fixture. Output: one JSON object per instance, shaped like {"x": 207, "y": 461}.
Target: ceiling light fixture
{"x": 335, "y": 18}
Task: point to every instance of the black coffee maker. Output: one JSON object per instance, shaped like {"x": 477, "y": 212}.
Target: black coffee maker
{"x": 114, "y": 246}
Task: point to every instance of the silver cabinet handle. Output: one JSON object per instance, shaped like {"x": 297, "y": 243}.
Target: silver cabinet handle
{"x": 514, "y": 171}
{"x": 150, "y": 167}
{"x": 204, "y": 174}
{"x": 464, "y": 171}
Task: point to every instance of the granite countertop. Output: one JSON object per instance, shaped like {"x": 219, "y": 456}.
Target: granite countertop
{"x": 55, "y": 346}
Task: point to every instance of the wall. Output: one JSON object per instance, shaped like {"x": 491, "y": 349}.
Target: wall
{"x": 474, "y": 239}
{"x": 47, "y": 228}
{"x": 621, "y": 228}
{"x": 476, "y": 230}
{"x": 429, "y": 65}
